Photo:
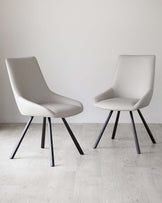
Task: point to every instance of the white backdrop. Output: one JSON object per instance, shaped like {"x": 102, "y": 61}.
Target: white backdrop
{"x": 77, "y": 43}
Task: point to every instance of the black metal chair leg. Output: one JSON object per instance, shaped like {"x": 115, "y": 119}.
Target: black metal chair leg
{"x": 135, "y": 134}
{"x": 146, "y": 126}
{"x": 116, "y": 124}
{"x": 102, "y": 131}
{"x": 21, "y": 138}
{"x": 72, "y": 136}
{"x": 51, "y": 143}
{"x": 43, "y": 133}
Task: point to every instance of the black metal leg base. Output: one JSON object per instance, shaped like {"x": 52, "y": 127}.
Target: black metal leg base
{"x": 43, "y": 133}
{"x": 21, "y": 138}
{"x": 102, "y": 131}
{"x": 134, "y": 129}
{"x": 115, "y": 126}
{"x": 51, "y": 143}
{"x": 135, "y": 134}
{"x": 72, "y": 136}
{"x": 146, "y": 126}
{"x": 43, "y": 139}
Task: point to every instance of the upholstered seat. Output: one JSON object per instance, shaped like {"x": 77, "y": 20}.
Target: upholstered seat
{"x": 117, "y": 104}
{"x": 32, "y": 94}
{"x": 62, "y": 110}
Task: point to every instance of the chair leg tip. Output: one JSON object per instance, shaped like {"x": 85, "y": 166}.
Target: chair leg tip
{"x": 52, "y": 165}
{"x": 12, "y": 156}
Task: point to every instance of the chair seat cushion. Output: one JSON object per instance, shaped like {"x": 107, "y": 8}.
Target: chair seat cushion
{"x": 61, "y": 110}
{"x": 120, "y": 104}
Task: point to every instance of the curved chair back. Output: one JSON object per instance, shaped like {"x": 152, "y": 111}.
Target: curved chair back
{"x": 135, "y": 76}
{"x": 26, "y": 78}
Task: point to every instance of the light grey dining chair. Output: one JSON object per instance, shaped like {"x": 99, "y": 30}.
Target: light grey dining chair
{"x": 34, "y": 98}
{"x": 131, "y": 90}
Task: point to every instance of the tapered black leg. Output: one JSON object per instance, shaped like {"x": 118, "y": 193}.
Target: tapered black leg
{"x": 72, "y": 136}
{"x": 135, "y": 134}
{"x": 51, "y": 143}
{"x": 43, "y": 133}
{"x": 21, "y": 138}
{"x": 102, "y": 131}
{"x": 116, "y": 124}
{"x": 146, "y": 126}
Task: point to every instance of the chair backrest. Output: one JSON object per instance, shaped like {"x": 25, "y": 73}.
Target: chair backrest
{"x": 135, "y": 76}
{"x": 26, "y": 78}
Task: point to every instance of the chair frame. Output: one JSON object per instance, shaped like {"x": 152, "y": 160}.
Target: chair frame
{"x": 134, "y": 129}
{"x": 50, "y": 138}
